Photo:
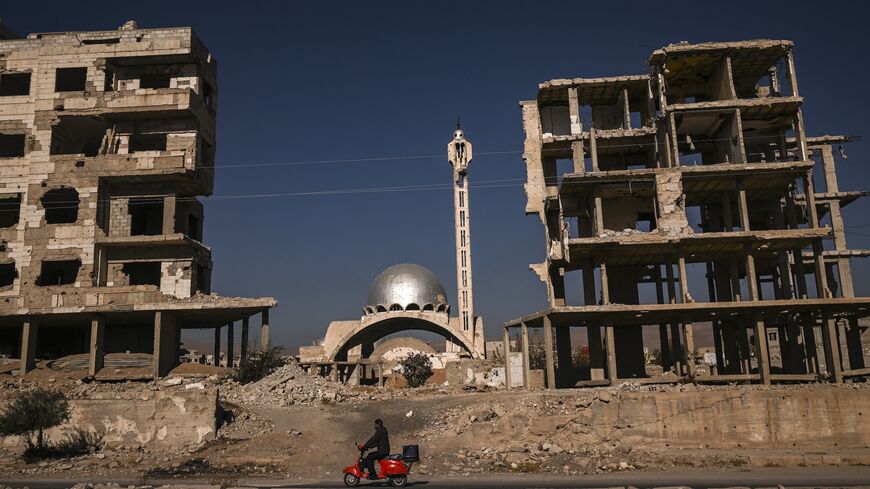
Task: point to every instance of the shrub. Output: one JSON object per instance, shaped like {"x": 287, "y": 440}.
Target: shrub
{"x": 79, "y": 442}
{"x": 258, "y": 365}
{"x": 32, "y": 412}
{"x": 417, "y": 368}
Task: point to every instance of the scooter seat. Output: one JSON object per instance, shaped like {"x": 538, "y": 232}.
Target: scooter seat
{"x": 395, "y": 456}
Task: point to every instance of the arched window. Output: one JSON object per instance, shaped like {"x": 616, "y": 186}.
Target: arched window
{"x": 61, "y": 205}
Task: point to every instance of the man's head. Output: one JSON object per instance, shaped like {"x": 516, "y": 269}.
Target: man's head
{"x": 378, "y": 423}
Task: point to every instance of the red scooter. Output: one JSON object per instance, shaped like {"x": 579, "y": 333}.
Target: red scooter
{"x": 393, "y": 468}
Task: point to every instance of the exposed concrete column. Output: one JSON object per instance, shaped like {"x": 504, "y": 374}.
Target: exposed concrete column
{"x": 742, "y": 206}
{"x": 609, "y": 337}
{"x": 217, "y": 347}
{"x": 822, "y": 290}
{"x": 688, "y": 335}
{"x": 165, "y": 355}
{"x": 832, "y": 348}
{"x": 593, "y": 332}
{"x": 97, "y": 350}
{"x": 565, "y": 375}
{"x": 663, "y": 328}
{"x": 231, "y": 347}
{"x": 761, "y": 351}
{"x": 29, "y": 335}
{"x": 506, "y": 347}
{"x": 243, "y": 359}
{"x": 169, "y": 204}
{"x": 593, "y": 149}
{"x": 265, "y": 342}
{"x": 524, "y": 334}
{"x": 548, "y": 353}
{"x": 676, "y": 343}
{"x": 380, "y": 374}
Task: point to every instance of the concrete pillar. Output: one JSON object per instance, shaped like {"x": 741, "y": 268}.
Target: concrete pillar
{"x": 593, "y": 149}
{"x": 853, "y": 344}
{"x": 243, "y": 359}
{"x": 165, "y": 355}
{"x": 565, "y": 375}
{"x": 380, "y": 375}
{"x": 97, "y": 350}
{"x": 762, "y": 353}
{"x": 593, "y": 332}
{"x": 217, "y": 347}
{"x": 29, "y": 335}
{"x": 231, "y": 347}
{"x": 832, "y": 349}
{"x": 506, "y": 348}
{"x": 169, "y": 204}
{"x": 596, "y": 353}
{"x": 664, "y": 347}
{"x": 524, "y": 334}
{"x": 609, "y": 339}
{"x": 265, "y": 341}
{"x": 548, "y": 353}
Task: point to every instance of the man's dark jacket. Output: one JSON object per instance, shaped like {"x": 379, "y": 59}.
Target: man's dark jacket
{"x": 381, "y": 440}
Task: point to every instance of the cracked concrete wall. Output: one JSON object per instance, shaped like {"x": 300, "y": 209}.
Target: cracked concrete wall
{"x": 671, "y": 200}
{"x": 168, "y": 419}
{"x": 816, "y": 417}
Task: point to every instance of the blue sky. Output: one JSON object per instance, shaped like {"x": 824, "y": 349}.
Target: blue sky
{"x": 314, "y": 81}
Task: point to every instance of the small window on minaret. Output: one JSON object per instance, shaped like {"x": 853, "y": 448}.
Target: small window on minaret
{"x": 462, "y": 238}
{"x": 461, "y": 199}
{"x": 462, "y": 219}
{"x": 463, "y": 258}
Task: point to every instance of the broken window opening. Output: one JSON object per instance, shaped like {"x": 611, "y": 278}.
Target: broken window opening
{"x": 12, "y": 145}
{"x": 155, "y": 80}
{"x": 59, "y": 272}
{"x": 13, "y": 84}
{"x": 202, "y": 279}
{"x": 109, "y": 83}
{"x": 10, "y": 210}
{"x": 207, "y": 95}
{"x": 146, "y": 216}
{"x": 8, "y": 274}
{"x": 147, "y": 142}
{"x": 61, "y": 206}
{"x": 70, "y": 79}
{"x": 111, "y": 40}
{"x": 78, "y": 135}
{"x": 143, "y": 273}
{"x": 646, "y": 222}
{"x": 194, "y": 227}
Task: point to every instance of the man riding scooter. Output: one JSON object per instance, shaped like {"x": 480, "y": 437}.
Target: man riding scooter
{"x": 380, "y": 441}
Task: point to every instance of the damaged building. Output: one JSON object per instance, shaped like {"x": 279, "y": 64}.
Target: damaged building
{"x": 689, "y": 200}
{"x": 106, "y": 141}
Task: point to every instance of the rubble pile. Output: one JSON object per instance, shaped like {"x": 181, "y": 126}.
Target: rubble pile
{"x": 287, "y": 386}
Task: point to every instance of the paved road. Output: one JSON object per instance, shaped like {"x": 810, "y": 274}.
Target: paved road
{"x": 697, "y": 479}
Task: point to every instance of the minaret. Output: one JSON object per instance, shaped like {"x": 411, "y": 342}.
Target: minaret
{"x": 459, "y": 154}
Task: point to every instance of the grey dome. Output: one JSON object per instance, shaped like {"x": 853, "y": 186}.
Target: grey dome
{"x": 407, "y": 286}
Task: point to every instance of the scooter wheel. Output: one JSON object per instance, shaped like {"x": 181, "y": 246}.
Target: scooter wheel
{"x": 398, "y": 480}
{"x": 351, "y": 480}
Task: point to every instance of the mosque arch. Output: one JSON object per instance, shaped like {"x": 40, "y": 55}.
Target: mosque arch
{"x": 371, "y": 332}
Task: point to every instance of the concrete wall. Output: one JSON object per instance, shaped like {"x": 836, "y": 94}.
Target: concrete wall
{"x": 803, "y": 418}
{"x": 155, "y": 418}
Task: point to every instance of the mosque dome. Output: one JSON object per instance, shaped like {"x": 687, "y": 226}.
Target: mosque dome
{"x": 407, "y": 287}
